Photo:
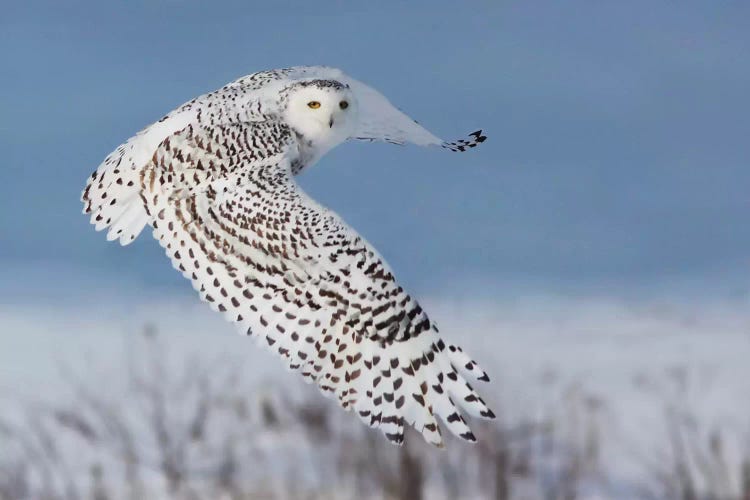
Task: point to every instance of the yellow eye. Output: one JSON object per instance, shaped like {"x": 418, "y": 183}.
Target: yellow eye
{"x": 343, "y": 105}
{"x": 313, "y": 104}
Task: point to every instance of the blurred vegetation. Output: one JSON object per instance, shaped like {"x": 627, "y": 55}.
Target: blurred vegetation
{"x": 191, "y": 429}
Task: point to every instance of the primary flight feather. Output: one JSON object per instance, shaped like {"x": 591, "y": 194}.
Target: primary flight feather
{"x": 215, "y": 180}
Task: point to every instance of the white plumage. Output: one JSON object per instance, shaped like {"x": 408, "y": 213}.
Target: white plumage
{"x": 215, "y": 180}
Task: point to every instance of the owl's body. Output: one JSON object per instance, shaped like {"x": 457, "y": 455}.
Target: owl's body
{"x": 215, "y": 180}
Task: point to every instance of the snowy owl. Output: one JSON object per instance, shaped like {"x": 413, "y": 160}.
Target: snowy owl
{"x": 215, "y": 180}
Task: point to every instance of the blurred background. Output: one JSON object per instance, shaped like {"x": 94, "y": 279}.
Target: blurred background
{"x": 593, "y": 254}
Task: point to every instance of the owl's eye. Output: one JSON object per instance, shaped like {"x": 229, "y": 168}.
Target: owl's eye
{"x": 343, "y": 105}
{"x": 313, "y": 104}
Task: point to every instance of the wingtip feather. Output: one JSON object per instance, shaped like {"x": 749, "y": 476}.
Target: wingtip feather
{"x": 473, "y": 140}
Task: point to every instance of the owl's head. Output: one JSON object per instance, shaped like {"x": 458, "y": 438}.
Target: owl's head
{"x": 322, "y": 111}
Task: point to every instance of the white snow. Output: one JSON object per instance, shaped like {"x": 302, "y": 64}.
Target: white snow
{"x": 628, "y": 362}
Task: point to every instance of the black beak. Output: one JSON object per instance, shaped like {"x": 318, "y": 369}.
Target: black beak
{"x": 330, "y": 123}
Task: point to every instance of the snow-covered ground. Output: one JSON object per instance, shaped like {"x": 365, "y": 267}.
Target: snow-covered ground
{"x": 633, "y": 365}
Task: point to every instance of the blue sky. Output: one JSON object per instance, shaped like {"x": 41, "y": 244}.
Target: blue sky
{"x": 618, "y": 152}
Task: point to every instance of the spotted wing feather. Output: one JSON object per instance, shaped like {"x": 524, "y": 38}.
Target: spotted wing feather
{"x": 292, "y": 274}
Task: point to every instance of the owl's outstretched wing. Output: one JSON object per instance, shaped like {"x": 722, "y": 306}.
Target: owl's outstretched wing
{"x": 291, "y": 273}
{"x": 112, "y": 193}
{"x": 379, "y": 119}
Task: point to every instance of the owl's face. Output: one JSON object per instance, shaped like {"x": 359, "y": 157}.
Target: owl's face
{"x": 322, "y": 111}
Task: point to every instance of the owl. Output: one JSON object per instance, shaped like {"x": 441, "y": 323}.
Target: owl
{"x": 215, "y": 181}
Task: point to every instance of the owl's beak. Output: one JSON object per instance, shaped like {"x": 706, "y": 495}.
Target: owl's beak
{"x": 330, "y": 122}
